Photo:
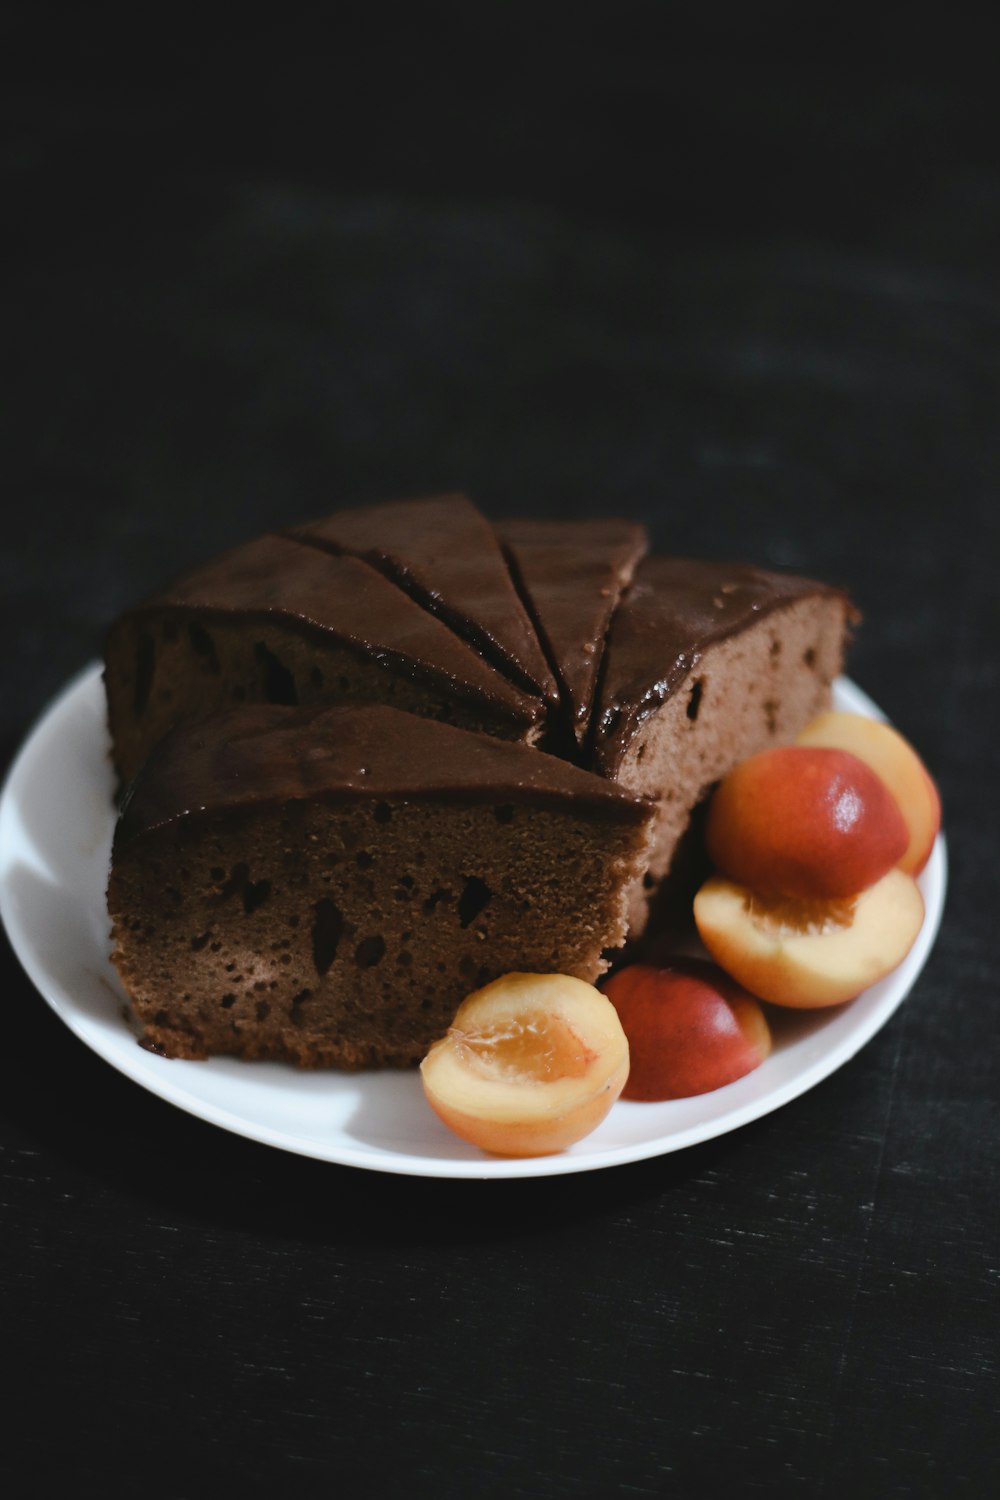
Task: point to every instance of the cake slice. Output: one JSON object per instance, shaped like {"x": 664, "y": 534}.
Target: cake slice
{"x": 325, "y": 885}
{"x": 446, "y": 555}
{"x": 706, "y": 663}
{"x": 572, "y": 574}
{"x": 276, "y": 621}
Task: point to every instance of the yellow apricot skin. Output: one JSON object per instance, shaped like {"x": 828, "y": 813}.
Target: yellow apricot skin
{"x": 531, "y": 1064}
{"x": 808, "y": 955}
{"x": 895, "y": 761}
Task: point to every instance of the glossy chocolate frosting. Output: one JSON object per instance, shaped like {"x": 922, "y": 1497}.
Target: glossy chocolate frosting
{"x": 344, "y": 598}
{"x": 445, "y": 553}
{"x": 265, "y": 755}
{"x": 572, "y": 574}
{"x": 675, "y": 609}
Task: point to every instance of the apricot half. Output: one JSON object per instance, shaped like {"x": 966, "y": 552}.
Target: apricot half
{"x": 898, "y": 765}
{"x": 690, "y": 1028}
{"x": 530, "y": 1064}
{"x": 804, "y": 821}
{"x": 809, "y": 954}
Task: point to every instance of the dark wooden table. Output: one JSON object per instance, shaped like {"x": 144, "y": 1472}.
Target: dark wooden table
{"x": 576, "y": 268}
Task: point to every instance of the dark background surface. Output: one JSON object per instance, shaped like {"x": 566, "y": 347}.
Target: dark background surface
{"x": 691, "y": 265}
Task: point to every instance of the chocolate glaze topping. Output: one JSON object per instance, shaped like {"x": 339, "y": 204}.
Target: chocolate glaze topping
{"x": 572, "y": 574}
{"x": 344, "y": 598}
{"x": 675, "y": 609}
{"x": 266, "y": 754}
{"x": 445, "y": 553}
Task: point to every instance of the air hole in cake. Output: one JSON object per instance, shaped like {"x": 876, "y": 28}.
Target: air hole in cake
{"x": 236, "y": 882}
{"x": 144, "y": 662}
{"x": 328, "y": 927}
{"x": 197, "y": 943}
{"x": 382, "y": 812}
{"x": 771, "y": 715}
{"x": 263, "y": 1010}
{"x": 434, "y": 900}
{"x": 255, "y": 895}
{"x": 279, "y": 684}
{"x": 408, "y": 881}
{"x": 203, "y": 645}
{"x": 504, "y": 813}
{"x": 227, "y": 1001}
{"x": 809, "y": 657}
{"x": 648, "y": 881}
{"x": 369, "y": 952}
{"x": 364, "y": 860}
{"x": 694, "y": 699}
{"x": 302, "y": 997}
{"x": 473, "y": 899}
{"x": 775, "y": 651}
{"x": 218, "y": 874}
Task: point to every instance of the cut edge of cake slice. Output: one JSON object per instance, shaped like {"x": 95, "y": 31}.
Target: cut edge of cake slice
{"x": 706, "y": 664}
{"x": 325, "y": 885}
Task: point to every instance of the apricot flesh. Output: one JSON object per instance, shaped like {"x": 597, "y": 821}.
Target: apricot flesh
{"x": 804, "y": 821}
{"x": 809, "y": 954}
{"x": 531, "y": 1064}
{"x": 690, "y": 1028}
{"x": 895, "y": 761}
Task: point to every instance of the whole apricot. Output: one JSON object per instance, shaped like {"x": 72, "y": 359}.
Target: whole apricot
{"x": 690, "y": 1028}
{"x": 806, "y": 822}
{"x": 895, "y": 761}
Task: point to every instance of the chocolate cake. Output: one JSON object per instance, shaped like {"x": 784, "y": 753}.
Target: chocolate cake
{"x": 277, "y": 621}
{"x": 444, "y": 552}
{"x": 325, "y": 885}
{"x": 572, "y": 575}
{"x": 351, "y": 822}
{"x": 707, "y": 663}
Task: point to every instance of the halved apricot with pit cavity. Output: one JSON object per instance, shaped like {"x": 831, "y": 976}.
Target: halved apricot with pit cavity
{"x": 809, "y": 953}
{"x": 530, "y": 1064}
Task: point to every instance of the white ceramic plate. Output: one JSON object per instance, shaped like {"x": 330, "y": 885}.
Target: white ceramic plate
{"x": 56, "y": 824}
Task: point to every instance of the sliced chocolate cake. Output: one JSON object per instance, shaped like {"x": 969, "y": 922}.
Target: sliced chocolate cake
{"x": 277, "y": 621}
{"x": 326, "y": 885}
{"x": 706, "y": 663}
{"x": 341, "y": 836}
{"x": 445, "y": 553}
{"x": 572, "y": 575}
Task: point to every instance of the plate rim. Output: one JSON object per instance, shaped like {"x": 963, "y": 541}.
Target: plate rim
{"x": 137, "y": 1064}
